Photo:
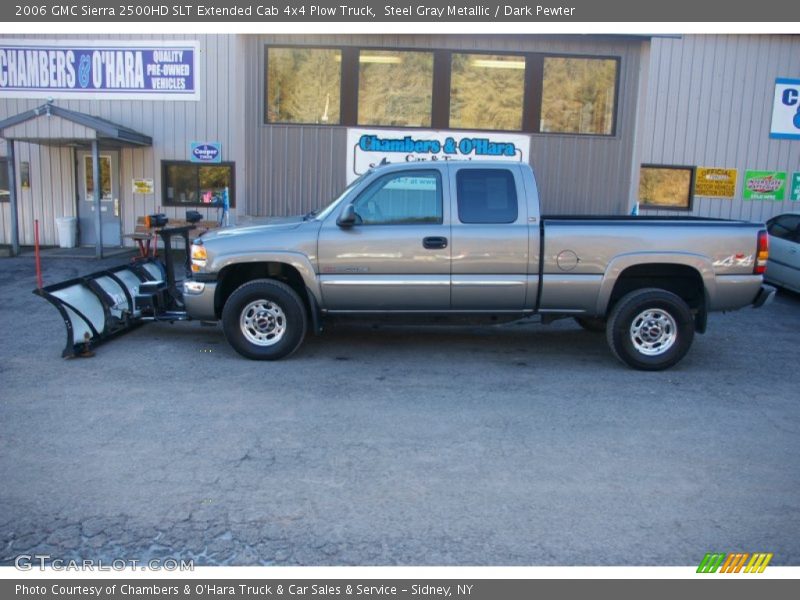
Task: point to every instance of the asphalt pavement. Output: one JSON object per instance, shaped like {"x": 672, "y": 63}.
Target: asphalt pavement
{"x": 518, "y": 444}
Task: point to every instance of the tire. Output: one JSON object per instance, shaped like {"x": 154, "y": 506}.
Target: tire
{"x": 594, "y": 324}
{"x": 264, "y": 319}
{"x": 650, "y": 329}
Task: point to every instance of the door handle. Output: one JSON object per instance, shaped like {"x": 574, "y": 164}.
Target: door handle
{"x": 434, "y": 243}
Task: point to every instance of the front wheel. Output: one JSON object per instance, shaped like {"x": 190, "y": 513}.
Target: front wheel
{"x": 264, "y": 319}
{"x": 650, "y": 329}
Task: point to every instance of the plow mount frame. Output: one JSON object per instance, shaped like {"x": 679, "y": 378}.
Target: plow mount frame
{"x": 113, "y": 303}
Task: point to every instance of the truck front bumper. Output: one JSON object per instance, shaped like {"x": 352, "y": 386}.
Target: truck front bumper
{"x": 765, "y": 295}
{"x": 198, "y": 297}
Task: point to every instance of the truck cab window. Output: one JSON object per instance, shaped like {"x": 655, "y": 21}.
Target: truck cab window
{"x": 785, "y": 226}
{"x": 406, "y": 198}
{"x": 486, "y": 196}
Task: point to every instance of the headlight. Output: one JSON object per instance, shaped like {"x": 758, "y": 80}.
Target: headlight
{"x": 199, "y": 257}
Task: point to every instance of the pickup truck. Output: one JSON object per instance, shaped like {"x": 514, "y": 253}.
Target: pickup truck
{"x": 467, "y": 238}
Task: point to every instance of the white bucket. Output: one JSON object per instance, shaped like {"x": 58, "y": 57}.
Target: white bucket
{"x": 67, "y": 231}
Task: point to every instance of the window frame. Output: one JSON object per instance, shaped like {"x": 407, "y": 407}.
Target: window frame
{"x": 614, "y": 113}
{"x": 4, "y": 166}
{"x": 525, "y": 82}
{"x": 166, "y": 163}
{"x": 359, "y": 50}
{"x": 693, "y": 172}
{"x": 380, "y": 182}
{"x": 533, "y": 88}
{"x": 509, "y": 172}
{"x": 265, "y": 87}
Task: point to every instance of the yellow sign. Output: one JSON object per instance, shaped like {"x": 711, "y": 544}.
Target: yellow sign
{"x": 143, "y": 186}
{"x": 715, "y": 183}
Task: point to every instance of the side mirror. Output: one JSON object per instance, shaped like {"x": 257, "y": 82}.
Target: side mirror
{"x": 348, "y": 216}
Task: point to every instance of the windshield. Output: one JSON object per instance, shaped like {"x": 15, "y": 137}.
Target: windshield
{"x": 322, "y": 215}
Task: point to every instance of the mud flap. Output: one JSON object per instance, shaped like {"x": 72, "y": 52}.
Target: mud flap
{"x": 100, "y": 306}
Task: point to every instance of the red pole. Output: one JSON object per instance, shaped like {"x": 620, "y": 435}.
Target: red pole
{"x": 36, "y": 253}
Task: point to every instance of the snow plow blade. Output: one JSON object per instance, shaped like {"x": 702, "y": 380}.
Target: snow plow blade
{"x": 103, "y": 305}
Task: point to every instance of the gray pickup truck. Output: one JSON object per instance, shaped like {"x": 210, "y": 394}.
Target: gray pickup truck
{"x": 467, "y": 239}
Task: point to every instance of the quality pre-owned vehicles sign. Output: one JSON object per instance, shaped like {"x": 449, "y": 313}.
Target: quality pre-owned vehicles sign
{"x": 156, "y": 70}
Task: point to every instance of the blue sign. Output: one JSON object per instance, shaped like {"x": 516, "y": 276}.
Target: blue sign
{"x": 206, "y": 152}
{"x": 156, "y": 70}
{"x": 786, "y": 109}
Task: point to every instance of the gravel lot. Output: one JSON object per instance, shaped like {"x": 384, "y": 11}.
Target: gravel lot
{"x": 518, "y": 444}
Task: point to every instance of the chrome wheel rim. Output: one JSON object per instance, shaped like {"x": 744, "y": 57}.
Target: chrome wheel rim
{"x": 653, "y": 332}
{"x": 263, "y": 323}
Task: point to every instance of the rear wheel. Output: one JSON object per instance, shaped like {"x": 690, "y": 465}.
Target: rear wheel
{"x": 595, "y": 324}
{"x": 650, "y": 329}
{"x": 264, "y": 319}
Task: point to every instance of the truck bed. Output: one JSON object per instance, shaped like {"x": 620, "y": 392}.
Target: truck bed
{"x": 580, "y": 255}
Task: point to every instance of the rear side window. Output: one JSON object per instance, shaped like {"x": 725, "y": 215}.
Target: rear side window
{"x": 486, "y": 196}
{"x": 786, "y": 227}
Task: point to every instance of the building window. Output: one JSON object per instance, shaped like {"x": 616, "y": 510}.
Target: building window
{"x": 578, "y": 95}
{"x": 105, "y": 178}
{"x": 395, "y": 88}
{"x": 666, "y": 187}
{"x": 191, "y": 184}
{"x": 408, "y": 198}
{"x": 303, "y": 85}
{"x": 440, "y": 89}
{"x": 486, "y": 91}
{"x": 5, "y": 192}
{"x": 24, "y": 176}
{"x": 486, "y": 196}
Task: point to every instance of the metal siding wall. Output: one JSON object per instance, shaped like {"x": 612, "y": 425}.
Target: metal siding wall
{"x": 51, "y": 193}
{"x": 298, "y": 168}
{"x": 289, "y": 169}
{"x": 709, "y": 104}
{"x": 216, "y": 116}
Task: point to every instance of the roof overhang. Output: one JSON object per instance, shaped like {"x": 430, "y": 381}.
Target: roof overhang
{"x": 55, "y": 126}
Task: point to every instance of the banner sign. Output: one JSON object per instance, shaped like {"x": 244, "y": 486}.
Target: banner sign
{"x": 156, "y": 70}
{"x": 764, "y": 185}
{"x": 795, "y": 195}
{"x": 205, "y": 152}
{"x": 786, "y": 110}
{"x": 368, "y": 147}
{"x": 712, "y": 182}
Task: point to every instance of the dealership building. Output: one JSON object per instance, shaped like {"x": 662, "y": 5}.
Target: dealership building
{"x": 705, "y": 125}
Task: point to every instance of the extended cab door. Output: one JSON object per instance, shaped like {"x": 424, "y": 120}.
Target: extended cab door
{"x": 489, "y": 237}
{"x": 397, "y": 254}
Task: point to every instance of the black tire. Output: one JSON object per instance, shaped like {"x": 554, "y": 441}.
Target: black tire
{"x": 593, "y": 324}
{"x": 260, "y": 311}
{"x": 648, "y": 347}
